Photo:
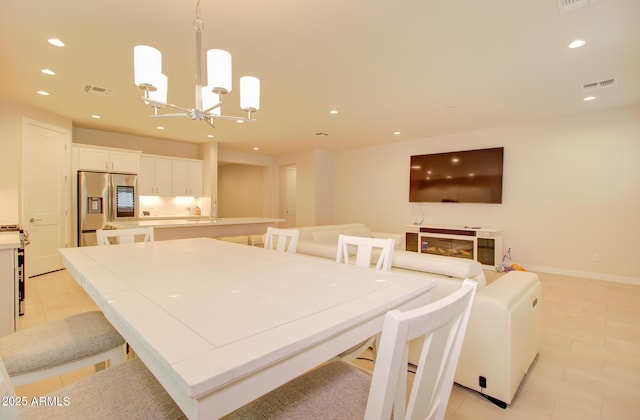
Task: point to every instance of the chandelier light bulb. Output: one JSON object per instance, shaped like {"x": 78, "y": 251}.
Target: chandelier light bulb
{"x": 219, "y": 70}
{"x": 249, "y": 93}
{"x": 147, "y": 65}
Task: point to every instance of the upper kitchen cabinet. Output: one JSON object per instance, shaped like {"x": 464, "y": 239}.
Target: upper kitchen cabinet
{"x": 156, "y": 176}
{"x": 187, "y": 177}
{"x": 104, "y": 159}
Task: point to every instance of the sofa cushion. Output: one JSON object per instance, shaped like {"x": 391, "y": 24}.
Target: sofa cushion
{"x": 358, "y": 231}
{"x": 326, "y": 236}
{"x": 448, "y": 266}
{"x": 317, "y": 249}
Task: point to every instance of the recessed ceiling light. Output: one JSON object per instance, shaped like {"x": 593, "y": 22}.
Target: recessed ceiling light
{"x": 160, "y": 127}
{"x": 396, "y": 133}
{"x": 577, "y": 43}
{"x": 589, "y": 98}
{"x": 96, "y": 116}
{"x": 43, "y": 93}
{"x": 256, "y": 148}
{"x": 56, "y": 42}
{"x": 240, "y": 122}
{"x": 333, "y": 112}
{"x": 48, "y": 72}
{"x": 210, "y": 136}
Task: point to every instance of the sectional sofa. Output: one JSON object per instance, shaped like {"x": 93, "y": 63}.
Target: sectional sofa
{"x": 503, "y": 334}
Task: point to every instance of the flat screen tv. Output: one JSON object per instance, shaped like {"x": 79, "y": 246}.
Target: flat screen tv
{"x": 469, "y": 176}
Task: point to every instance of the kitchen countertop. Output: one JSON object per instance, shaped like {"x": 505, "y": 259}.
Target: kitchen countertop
{"x": 9, "y": 240}
{"x": 173, "y": 223}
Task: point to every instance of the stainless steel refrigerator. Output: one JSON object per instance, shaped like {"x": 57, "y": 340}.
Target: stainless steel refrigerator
{"x": 103, "y": 198}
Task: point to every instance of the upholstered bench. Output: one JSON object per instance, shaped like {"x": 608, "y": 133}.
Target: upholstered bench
{"x": 60, "y": 346}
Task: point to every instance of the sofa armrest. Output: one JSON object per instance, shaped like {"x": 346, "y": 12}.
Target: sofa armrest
{"x": 503, "y": 335}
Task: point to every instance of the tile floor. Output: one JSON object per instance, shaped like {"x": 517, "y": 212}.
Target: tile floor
{"x": 588, "y": 366}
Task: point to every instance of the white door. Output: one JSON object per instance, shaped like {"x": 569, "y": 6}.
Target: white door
{"x": 45, "y": 168}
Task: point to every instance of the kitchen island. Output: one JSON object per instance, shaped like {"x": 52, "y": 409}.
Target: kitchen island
{"x": 165, "y": 229}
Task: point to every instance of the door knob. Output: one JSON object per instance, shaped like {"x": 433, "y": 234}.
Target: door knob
{"x": 33, "y": 219}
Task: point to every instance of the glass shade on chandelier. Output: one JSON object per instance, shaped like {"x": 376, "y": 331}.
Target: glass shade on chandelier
{"x": 147, "y": 65}
{"x": 219, "y": 71}
{"x": 249, "y": 93}
{"x": 210, "y": 100}
{"x": 148, "y": 76}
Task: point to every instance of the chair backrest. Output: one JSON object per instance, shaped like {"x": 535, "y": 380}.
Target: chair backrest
{"x": 10, "y": 402}
{"x": 282, "y": 240}
{"x": 443, "y": 325}
{"x": 365, "y": 250}
{"x": 124, "y": 236}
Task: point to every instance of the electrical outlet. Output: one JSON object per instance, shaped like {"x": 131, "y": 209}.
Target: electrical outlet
{"x": 482, "y": 381}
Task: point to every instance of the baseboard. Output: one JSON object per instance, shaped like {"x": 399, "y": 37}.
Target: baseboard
{"x": 585, "y": 274}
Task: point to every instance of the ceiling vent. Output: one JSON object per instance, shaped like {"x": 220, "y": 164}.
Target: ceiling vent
{"x": 569, "y": 5}
{"x": 96, "y": 90}
{"x": 588, "y": 87}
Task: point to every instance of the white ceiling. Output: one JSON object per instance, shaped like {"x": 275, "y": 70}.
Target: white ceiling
{"x": 420, "y": 67}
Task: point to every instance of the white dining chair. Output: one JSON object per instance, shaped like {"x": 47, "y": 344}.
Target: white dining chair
{"x": 282, "y": 240}
{"x": 365, "y": 249}
{"x": 124, "y": 236}
{"x": 322, "y": 392}
{"x": 126, "y": 391}
{"x": 60, "y": 346}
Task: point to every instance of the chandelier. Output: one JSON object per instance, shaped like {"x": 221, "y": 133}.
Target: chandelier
{"x": 148, "y": 76}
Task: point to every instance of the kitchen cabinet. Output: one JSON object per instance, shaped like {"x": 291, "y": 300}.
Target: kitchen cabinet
{"x": 106, "y": 159}
{"x": 187, "y": 177}
{"x": 156, "y": 176}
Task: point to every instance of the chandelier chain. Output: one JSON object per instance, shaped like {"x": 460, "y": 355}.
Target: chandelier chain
{"x": 197, "y": 24}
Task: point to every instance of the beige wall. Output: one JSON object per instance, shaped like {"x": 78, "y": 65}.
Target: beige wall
{"x": 149, "y": 145}
{"x": 571, "y": 189}
{"x": 240, "y": 191}
{"x": 313, "y": 185}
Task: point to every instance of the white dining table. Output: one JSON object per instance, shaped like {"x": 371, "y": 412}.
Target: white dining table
{"x": 220, "y": 324}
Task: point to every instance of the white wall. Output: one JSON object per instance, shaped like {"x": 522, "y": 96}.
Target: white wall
{"x": 571, "y": 189}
